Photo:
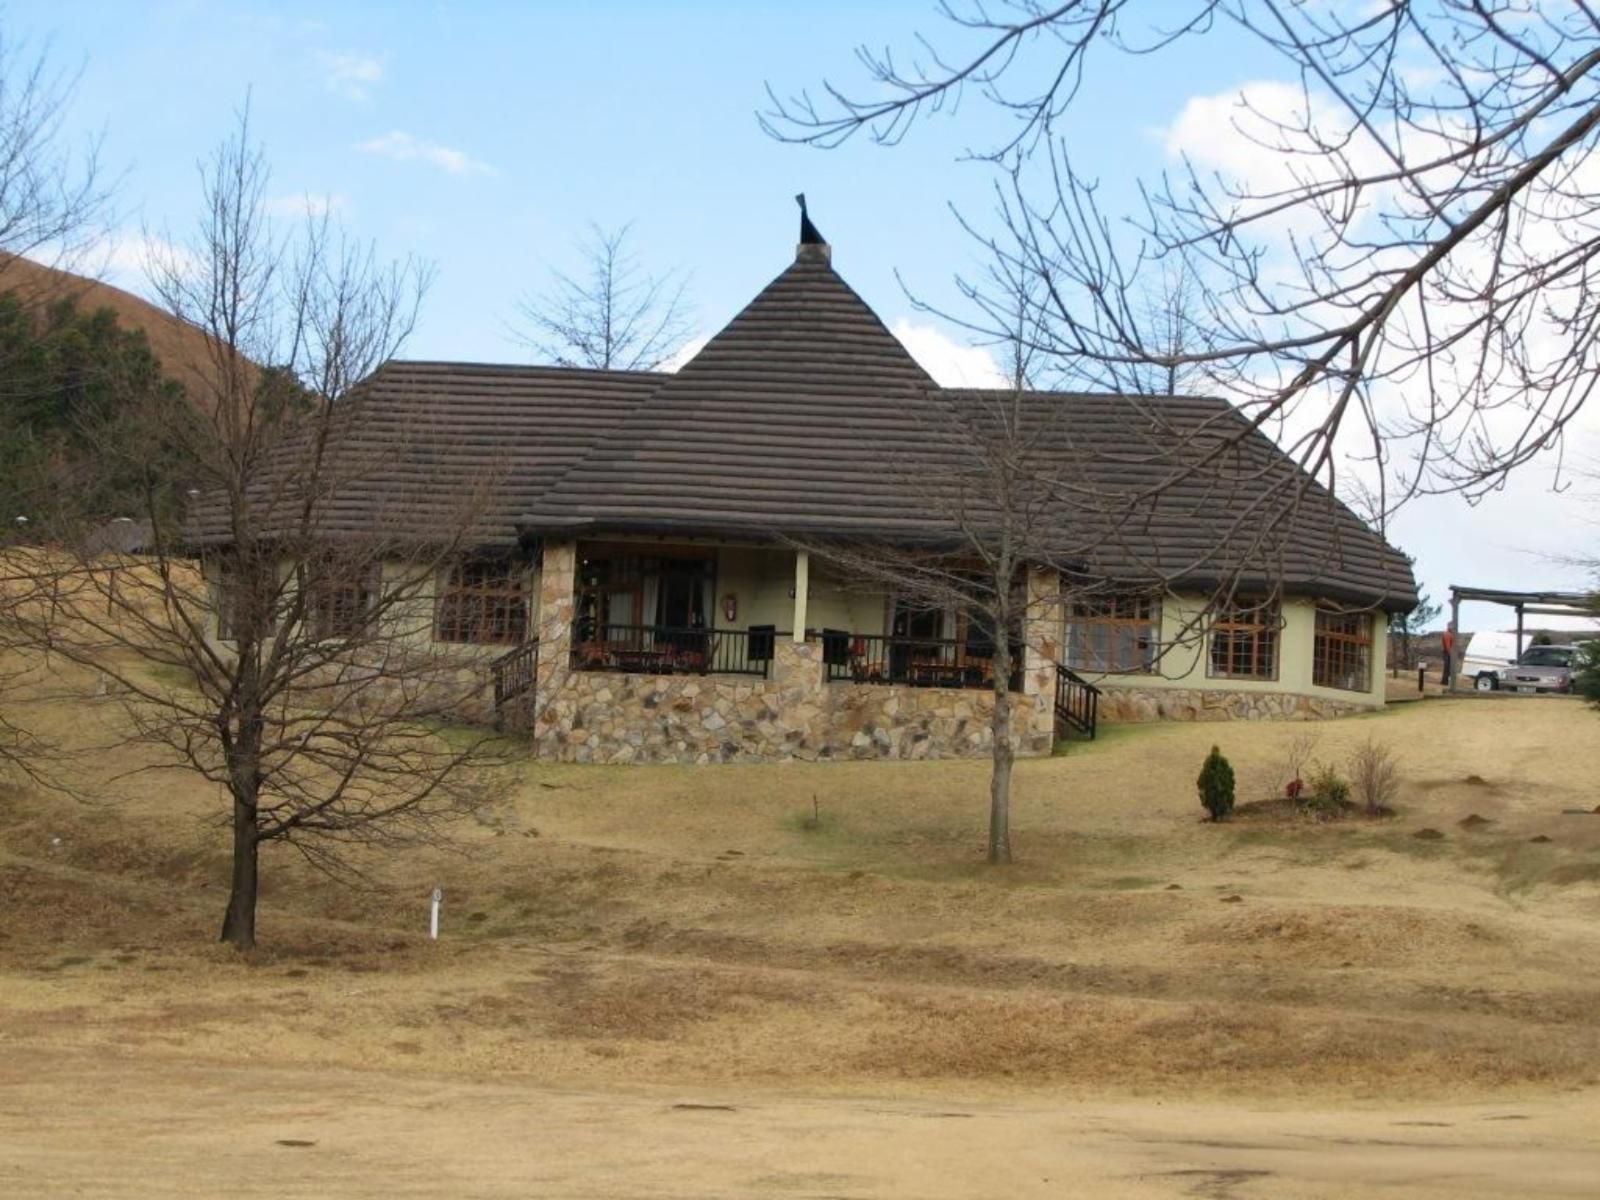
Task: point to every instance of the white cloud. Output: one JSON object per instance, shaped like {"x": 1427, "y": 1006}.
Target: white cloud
{"x": 127, "y": 258}
{"x": 350, "y": 75}
{"x": 404, "y": 147}
{"x": 951, "y": 363}
{"x": 307, "y": 204}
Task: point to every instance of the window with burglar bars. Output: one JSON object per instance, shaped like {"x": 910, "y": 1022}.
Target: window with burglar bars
{"x": 1244, "y": 640}
{"x": 1115, "y": 634}
{"x": 1342, "y": 653}
{"x": 341, "y": 600}
{"x": 482, "y": 600}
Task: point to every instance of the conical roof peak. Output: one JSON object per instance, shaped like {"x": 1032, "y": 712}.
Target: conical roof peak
{"x": 809, "y": 327}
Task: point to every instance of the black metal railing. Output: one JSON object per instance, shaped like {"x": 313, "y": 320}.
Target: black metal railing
{"x": 515, "y": 673}
{"x": 913, "y": 661}
{"x": 668, "y": 650}
{"x": 1077, "y": 704}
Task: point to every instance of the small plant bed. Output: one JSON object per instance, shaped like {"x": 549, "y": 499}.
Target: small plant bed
{"x": 1312, "y": 790}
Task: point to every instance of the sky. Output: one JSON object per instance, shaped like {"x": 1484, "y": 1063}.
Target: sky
{"x": 486, "y": 139}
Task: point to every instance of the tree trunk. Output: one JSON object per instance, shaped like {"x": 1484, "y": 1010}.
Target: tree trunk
{"x": 1000, "y": 777}
{"x": 239, "y": 923}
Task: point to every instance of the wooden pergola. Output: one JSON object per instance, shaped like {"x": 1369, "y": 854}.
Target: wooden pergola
{"x": 1540, "y": 604}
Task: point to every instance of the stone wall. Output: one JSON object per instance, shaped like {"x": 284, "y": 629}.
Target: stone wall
{"x": 1127, "y": 704}
{"x": 614, "y": 718}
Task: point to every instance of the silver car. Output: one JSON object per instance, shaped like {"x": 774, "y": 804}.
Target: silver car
{"x": 1540, "y": 669}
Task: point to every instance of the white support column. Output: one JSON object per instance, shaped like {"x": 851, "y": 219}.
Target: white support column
{"x": 802, "y": 584}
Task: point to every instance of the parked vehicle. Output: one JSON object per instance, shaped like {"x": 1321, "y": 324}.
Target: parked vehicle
{"x": 1486, "y": 655}
{"x": 1540, "y": 669}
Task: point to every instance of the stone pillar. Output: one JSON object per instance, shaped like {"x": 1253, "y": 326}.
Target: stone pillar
{"x": 801, "y": 701}
{"x": 557, "y": 601}
{"x": 1042, "y": 626}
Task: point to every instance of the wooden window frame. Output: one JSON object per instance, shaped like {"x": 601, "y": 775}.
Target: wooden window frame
{"x": 482, "y": 602}
{"x": 627, "y": 572}
{"x": 1342, "y": 652}
{"x": 1133, "y": 613}
{"x": 1257, "y": 627}
{"x": 340, "y": 602}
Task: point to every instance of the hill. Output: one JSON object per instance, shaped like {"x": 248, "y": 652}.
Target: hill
{"x": 180, "y": 347}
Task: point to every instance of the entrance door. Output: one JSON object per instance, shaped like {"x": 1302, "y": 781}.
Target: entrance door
{"x": 912, "y": 624}
{"x": 680, "y": 602}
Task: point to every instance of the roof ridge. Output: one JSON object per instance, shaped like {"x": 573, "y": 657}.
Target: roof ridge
{"x": 548, "y": 368}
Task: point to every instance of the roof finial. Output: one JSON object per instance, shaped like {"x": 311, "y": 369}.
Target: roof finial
{"x": 810, "y": 235}
{"x": 812, "y": 244}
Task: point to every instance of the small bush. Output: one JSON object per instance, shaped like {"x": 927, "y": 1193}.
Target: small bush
{"x": 1216, "y": 785}
{"x": 1374, "y": 775}
{"x": 1326, "y": 790}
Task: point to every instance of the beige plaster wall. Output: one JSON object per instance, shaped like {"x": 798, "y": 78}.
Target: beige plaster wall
{"x": 760, "y": 579}
{"x": 410, "y": 621}
{"x": 1183, "y": 665}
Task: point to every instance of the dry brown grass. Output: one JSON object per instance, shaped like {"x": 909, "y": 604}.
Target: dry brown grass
{"x": 681, "y": 924}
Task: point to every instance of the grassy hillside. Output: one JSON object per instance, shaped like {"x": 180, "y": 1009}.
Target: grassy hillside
{"x": 180, "y": 348}
{"x": 698, "y": 925}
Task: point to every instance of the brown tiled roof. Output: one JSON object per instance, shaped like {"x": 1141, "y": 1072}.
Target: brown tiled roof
{"x": 437, "y": 442}
{"x": 1184, "y": 489}
{"x": 805, "y": 418}
{"x": 782, "y": 420}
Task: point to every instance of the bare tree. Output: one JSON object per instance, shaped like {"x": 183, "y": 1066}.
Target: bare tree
{"x": 52, "y": 200}
{"x": 292, "y": 666}
{"x": 613, "y": 317}
{"x": 997, "y": 503}
{"x": 1145, "y": 511}
{"x": 52, "y": 196}
{"x": 1408, "y": 277}
{"x": 1033, "y": 506}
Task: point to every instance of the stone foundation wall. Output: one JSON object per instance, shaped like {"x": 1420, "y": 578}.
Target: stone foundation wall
{"x": 1127, "y": 704}
{"x": 794, "y": 714}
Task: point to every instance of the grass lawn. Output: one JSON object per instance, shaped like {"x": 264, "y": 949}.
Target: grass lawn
{"x": 835, "y": 925}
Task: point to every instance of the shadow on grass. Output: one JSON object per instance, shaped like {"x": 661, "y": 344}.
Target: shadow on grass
{"x": 1112, "y": 736}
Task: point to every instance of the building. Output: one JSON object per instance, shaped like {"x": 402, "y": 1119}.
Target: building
{"x": 650, "y": 579}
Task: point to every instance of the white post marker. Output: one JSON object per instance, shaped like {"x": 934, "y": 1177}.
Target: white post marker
{"x": 433, "y": 913}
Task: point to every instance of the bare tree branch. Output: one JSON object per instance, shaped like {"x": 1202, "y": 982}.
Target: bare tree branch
{"x": 1407, "y": 278}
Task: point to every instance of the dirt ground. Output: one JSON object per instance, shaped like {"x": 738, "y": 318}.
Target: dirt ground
{"x": 77, "y": 1126}
{"x": 1144, "y": 1005}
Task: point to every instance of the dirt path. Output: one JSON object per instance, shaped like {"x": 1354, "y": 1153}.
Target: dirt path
{"x": 145, "y": 1126}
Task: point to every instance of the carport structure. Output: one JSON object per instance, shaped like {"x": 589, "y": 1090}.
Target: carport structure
{"x": 1540, "y": 604}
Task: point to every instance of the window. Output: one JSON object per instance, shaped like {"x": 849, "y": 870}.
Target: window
{"x": 1244, "y": 640}
{"x": 620, "y": 590}
{"x": 340, "y": 599}
{"x": 1342, "y": 654}
{"x": 233, "y": 594}
{"x": 1115, "y": 634}
{"x": 483, "y": 600}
